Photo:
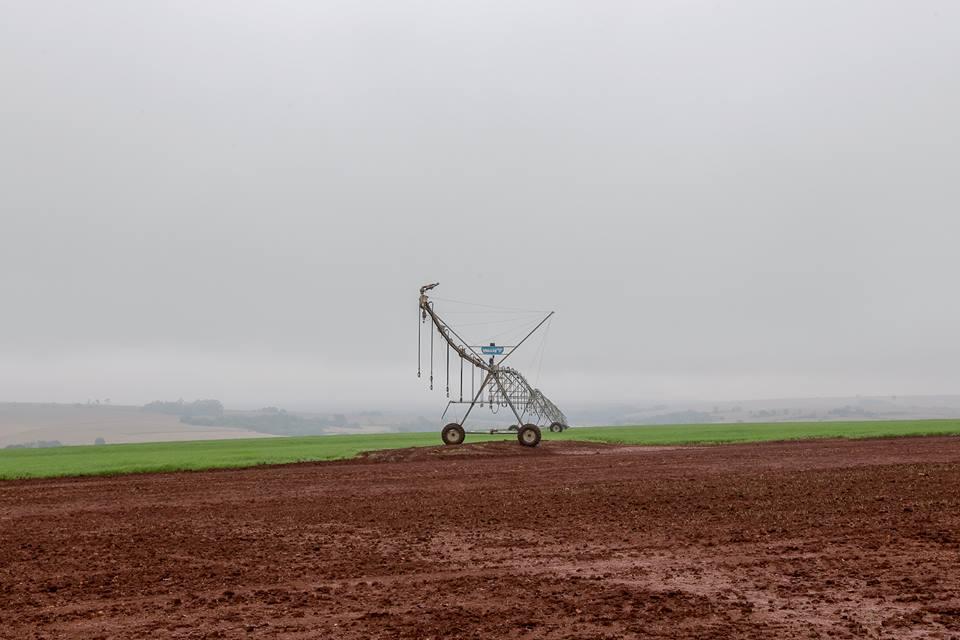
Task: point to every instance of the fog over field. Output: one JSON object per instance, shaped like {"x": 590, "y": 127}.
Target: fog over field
{"x": 43, "y": 425}
{"x": 238, "y": 200}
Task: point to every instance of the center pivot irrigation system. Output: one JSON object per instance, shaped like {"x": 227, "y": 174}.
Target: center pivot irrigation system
{"x": 505, "y": 386}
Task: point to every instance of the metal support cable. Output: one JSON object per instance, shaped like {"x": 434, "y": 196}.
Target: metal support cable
{"x": 543, "y": 351}
{"x": 488, "y": 306}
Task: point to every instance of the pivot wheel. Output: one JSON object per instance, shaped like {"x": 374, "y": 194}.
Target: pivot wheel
{"x": 529, "y": 435}
{"x": 453, "y": 433}
{"x": 556, "y": 427}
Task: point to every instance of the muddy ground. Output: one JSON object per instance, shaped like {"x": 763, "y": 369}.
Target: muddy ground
{"x": 827, "y": 539}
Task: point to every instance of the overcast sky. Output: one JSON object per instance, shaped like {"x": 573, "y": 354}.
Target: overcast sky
{"x": 721, "y": 200}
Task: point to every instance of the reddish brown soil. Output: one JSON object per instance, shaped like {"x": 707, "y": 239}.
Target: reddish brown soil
{"x": 801, "y": 540}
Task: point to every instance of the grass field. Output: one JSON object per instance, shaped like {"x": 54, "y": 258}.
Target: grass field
{"x": 213, "y": 454}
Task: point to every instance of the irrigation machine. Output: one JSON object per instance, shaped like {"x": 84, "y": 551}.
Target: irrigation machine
{"x": 500, "y": 387}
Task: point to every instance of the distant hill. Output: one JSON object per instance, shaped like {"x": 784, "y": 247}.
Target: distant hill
{"x": 70, "y": 424}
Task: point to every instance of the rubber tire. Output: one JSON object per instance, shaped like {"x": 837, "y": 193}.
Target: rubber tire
{"x": 556, "y": 427}
{"x": 529, "y": 435}
{"x": 453, "y": 434}
{"x": 513, "y": 428}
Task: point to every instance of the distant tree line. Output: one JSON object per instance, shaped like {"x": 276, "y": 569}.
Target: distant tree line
{"x": 36, "y": 444}
{"x": 195, "y": 409}
{"x": 679, "y": 417}
{"x": 271, "y": 420}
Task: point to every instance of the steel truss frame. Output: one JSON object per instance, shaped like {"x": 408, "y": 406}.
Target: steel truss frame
{"x": 505, "y": 386}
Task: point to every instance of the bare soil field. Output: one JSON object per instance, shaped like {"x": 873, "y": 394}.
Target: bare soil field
{"x": 814, "y": 539}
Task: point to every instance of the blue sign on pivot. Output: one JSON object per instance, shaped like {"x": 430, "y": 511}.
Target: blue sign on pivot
{"x": 491, "y": 350}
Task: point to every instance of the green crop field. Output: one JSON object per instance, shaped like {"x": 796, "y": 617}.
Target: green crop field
{"x": 213, "y": 454}
{"x": 761, "y": 432}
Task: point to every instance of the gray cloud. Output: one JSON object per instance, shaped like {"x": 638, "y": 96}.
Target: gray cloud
{"x": 721, "y": 200}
